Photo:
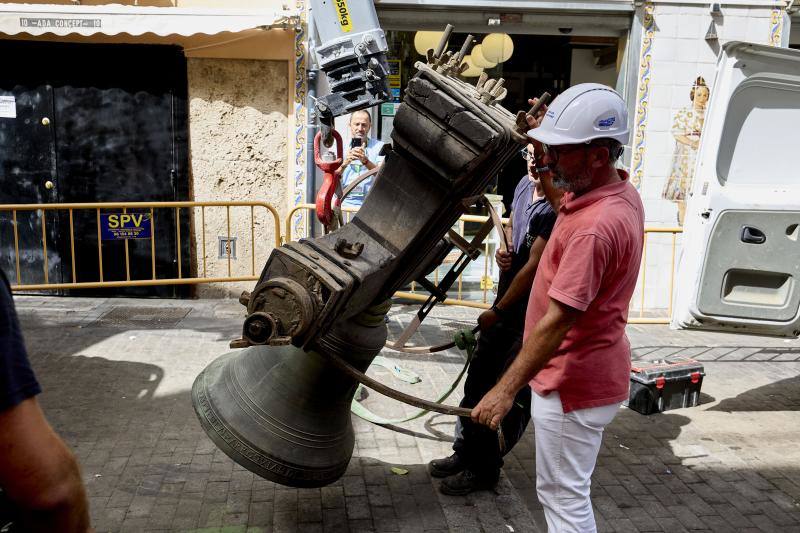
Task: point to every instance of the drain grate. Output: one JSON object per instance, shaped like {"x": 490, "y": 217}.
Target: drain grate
{"x": 431, "y": 331}
{"x": 457, "y": 325}
{"x": 142, "y": 317}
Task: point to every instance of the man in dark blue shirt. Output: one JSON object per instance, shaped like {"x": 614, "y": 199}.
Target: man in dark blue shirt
{"x": 17, "y": 381}
{"x": 477, "y": 459}
{"x": 38, "y": 473}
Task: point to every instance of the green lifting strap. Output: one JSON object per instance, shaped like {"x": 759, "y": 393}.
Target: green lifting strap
{"x": 464, "y": 340}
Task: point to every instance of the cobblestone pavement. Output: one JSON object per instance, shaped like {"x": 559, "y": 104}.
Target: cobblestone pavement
{"x": 117, "y": 375}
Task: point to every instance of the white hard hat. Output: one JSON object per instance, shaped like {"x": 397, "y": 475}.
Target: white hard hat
{"x": 582, "y": 113}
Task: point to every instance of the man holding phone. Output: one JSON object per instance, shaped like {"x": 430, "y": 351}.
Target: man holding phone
{"x": 363, "y": 155}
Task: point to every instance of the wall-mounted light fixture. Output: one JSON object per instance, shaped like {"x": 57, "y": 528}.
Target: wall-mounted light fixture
{"x": 426, "y": 40}
{"x": 497, "y": 47}
{"x": 473, "y": 70}
{"x": 479, "y": 59}
{"x": 711, "y": 32}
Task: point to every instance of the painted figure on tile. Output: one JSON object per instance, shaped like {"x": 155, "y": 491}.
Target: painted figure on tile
{"x": 686, "y": 129}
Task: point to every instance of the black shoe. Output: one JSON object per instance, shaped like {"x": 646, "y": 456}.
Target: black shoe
{"x": 466, "y": 482}
{"x": 449, "y": 466}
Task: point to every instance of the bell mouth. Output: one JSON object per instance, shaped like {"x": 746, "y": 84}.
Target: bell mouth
{"x": 299, "y": 439}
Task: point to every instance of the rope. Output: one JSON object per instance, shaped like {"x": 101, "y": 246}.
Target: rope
{"x": 464, "y": 340}
{"x": 425, "y": 349}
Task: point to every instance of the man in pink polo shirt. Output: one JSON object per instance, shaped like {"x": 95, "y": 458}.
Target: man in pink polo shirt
{"x": 575, "y": 354}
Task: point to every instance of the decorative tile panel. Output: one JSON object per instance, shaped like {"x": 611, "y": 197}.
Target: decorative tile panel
{"x": 300, "y": 117}
{"x": 643, "y": 95}
{"x": 775, "y": 26}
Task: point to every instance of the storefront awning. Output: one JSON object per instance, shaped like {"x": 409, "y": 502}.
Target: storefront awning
{"x": 520, "y": 5}
{"x": 63, "y": 20}
{"x": 538, "y": 17}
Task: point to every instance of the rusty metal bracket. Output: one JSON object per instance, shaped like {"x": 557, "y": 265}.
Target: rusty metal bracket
{"x": 462, "y": 244}
{"x": 433, "y": 289}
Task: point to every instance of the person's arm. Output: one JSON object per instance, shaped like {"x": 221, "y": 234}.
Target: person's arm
{"x": 361, "y": 154}
{"x": 348, "y": 158}
{"x": 574, "y": 287}
{"x": 519, "y": 288}
{"x": 367, "y": 163}
{"x": 539, "y": 347}
{"x": 39, "y": 473}
{"x": 535, "y": 121}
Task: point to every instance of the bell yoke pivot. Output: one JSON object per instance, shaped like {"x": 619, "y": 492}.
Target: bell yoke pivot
{"x": 281, "y": 407}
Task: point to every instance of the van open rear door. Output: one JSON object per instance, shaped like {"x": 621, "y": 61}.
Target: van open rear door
{"x": 740, "y": 264}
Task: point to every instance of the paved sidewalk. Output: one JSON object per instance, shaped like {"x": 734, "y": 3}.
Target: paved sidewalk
{"x": 117, "y": 375}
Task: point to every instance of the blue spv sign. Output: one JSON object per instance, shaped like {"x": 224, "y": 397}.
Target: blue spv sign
{"x": 116, "y": 226}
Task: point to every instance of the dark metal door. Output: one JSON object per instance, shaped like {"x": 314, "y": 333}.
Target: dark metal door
{"x": 118, "y": 123}
{"x": 28, "y": 176}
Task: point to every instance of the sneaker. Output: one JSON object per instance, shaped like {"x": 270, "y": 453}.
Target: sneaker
{"x": 448, "y": 466}
{"x": 465, "y": 482}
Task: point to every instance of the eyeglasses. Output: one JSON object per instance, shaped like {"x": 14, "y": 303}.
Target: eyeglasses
{"x": 552, "y": 152}
{"x": 526, "y": 155}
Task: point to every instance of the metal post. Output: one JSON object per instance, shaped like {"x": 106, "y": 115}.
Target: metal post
{"x": 153, "y": 242}
{"x": 228, "y": 247}
{"x": 44, "y": 245}
{"x": 127, "y": 255}
{"x": 203, "y": 229}
{"x": 178, "y": 238}
{"x": 99, "y": 246}
{"x": 252, "y": 241}
{"x": 72, "y": 246}
{"x": 16, "y": 246}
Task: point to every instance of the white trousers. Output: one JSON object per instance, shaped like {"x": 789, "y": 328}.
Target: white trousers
{"x": 566, "y": 452}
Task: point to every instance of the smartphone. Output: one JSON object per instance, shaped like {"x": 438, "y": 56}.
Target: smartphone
{"x": 355, "y": 142}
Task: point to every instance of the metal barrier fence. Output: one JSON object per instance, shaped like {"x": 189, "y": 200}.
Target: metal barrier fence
{"x": 651, "y": 234}
{"x": 472, "y": 298}
{"x": 638, "y": 303}
{"x": 97, "y": 210}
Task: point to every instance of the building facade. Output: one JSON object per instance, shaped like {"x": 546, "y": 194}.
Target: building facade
{"x": 243, "y": 129}
{"x": 150, "y": 101}
{"x": 660, "y": 55}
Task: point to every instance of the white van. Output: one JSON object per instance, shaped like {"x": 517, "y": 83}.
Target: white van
{"x": 740, "y": 264}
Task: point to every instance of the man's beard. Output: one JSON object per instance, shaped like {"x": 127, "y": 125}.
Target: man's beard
{"x": 573, "y": 184}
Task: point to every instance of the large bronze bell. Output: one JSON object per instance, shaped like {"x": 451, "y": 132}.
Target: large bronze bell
{"x": 283, "y": 413}
{"x": 280, "y": 407}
